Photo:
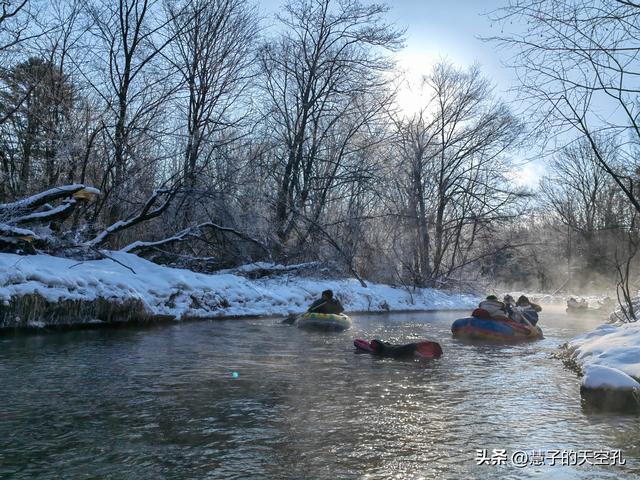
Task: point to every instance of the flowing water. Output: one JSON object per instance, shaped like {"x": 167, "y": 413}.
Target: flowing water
{"x": 257, "y": 399}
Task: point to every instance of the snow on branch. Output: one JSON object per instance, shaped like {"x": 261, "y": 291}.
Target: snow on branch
{"x": 60, "y": 212}
{"x": 15, "y": 232}
{"x": 42, "y": 198}
{"x": 179, "y": 237}
{"x": 146, "y": 213}
{"x": 190, "y": 233}
{"x": 37, "y": 209}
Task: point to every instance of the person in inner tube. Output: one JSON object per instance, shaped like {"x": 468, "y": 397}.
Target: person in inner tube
{"x": 326, "y": 304}
{"x": 509, "y": 303}
{"x": 492, "y": 307}
{"x": 528, "y": 309}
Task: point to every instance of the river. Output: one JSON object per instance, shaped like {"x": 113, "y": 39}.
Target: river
{"x": 257, "y": 399}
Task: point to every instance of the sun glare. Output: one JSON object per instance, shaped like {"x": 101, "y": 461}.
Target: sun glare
{"x": 413, "y": 67}
{"x": 527, "y": 175}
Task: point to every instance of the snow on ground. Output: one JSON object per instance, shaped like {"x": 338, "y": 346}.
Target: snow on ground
{"x": 614, "y": 346}
{"x": 599, "y": 376}
{"x": 183, "y": 293}
{"x": 257, "y": 266}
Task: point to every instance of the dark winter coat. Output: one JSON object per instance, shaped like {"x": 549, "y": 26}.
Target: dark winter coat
{"x": 331, "y": 305}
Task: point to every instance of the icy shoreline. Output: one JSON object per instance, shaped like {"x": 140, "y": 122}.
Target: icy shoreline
{"x": 609, "y": 356}
{"x": 41, "y": 290}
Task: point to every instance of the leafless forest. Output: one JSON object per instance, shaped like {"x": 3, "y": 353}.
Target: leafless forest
{"x": 217, "y": 137}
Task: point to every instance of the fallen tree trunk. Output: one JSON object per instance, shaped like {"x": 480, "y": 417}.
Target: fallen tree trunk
{"x": 40, "y": 199}
{"x": 38, "y": 210}
{"x": 59, "y": 213}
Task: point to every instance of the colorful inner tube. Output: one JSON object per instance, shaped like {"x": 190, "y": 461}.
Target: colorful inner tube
{"x": 324, "y": 321}
{"x": 501, "y": 330}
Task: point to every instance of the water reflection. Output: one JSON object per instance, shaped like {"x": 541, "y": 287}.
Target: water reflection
{"x": 163, "y": 403}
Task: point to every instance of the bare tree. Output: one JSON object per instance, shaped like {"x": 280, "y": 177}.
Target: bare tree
{"x": 212, "y": 53}
{"x": 14, "y": 23}
{"x": 625, "y": 285}
{"x": 591, "y": 211}
{"x": 578, "y": 64}
{"x": 131, "y": 35}
{"x": 453, "y": 160}
{"x": 578, "y": 190}
{"x": 324, "y": 83}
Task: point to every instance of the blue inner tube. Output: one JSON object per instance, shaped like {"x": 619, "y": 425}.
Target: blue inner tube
{"x": 485, "y": 329}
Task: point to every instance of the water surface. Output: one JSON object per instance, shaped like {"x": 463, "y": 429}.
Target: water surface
{"x": 165, "y": 403}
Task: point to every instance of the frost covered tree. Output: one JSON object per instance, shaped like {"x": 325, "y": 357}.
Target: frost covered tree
{"x": 450, "y": 182}
{"x": 212, "y": 53}
{"x": 215, "y": 142}
{"x": 577, "y": 62}
{"x": 129, "y": 38}
{"x": 15, "y": 16}
{"x": 592, "y": 212}
{"x": 37, "y": 101}
{"x": 324, "y": 84}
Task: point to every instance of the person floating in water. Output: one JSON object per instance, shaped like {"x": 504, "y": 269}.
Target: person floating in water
{"x": 422, "y": 349}
{"x": 574, "y": 304}
{"x": 326, "y": 304}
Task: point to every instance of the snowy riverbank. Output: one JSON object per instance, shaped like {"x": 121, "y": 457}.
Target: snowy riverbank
{"x": 609, "y": 356}
{"x": 41, "y": 290}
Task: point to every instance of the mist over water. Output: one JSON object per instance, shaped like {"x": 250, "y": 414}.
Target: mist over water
{"x": 165, "y": 403}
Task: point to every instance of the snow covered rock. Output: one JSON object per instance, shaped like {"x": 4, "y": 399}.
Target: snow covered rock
{"x": 610, "y": 389}
{"x": 598, "y": 376}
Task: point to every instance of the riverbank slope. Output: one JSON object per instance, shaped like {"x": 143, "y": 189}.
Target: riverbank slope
{"x": 609, "y": 356}
{"x": 41, "y": 290}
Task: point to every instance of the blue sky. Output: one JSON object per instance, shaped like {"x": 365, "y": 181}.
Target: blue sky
{"x": 451, "y": 29}
{"x": 438, "y": 29}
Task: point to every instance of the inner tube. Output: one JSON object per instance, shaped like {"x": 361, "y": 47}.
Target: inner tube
{"x": 324, "y": 321}
{"x": 422, "y": 349}
{"x": 502, "y": 330}
{"x": 582, "y": 310}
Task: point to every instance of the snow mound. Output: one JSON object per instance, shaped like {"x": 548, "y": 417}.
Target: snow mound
{"x": 616, "y": 347}
{"x": 598, "y": 376}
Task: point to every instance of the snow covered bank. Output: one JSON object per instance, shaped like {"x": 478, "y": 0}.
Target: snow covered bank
{"x": 32, "y": 289}
{"x": 614, "y": 346}
{"x": 609, "y": 357}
